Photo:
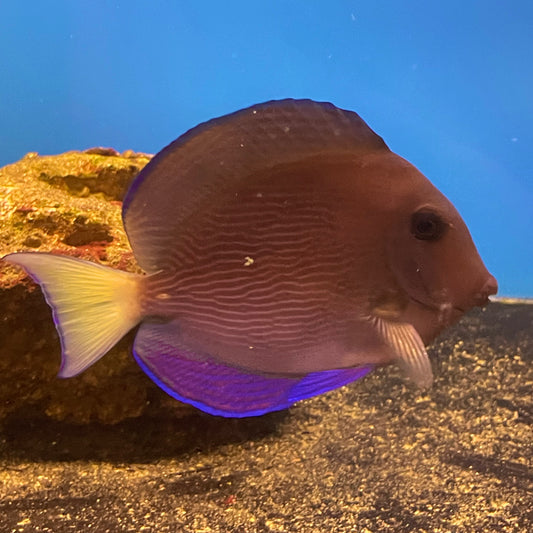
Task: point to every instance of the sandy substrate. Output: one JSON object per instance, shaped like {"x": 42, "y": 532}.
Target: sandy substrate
{"x": 376, "y": 456}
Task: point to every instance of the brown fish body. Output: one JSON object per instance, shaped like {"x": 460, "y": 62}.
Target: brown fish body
{"x": 287, "y": 251}
{"x": 273, "y": 268}
{"x": 296, "y": 260}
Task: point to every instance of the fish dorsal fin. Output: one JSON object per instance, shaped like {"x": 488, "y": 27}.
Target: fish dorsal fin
{"x": 409, "y": 349}
{"x": 223, "y": 152}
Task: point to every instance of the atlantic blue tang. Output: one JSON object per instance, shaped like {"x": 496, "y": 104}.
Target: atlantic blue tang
{"x": 287, "y": 252}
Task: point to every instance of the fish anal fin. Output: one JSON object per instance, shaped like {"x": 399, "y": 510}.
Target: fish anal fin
{"x": 221, "y": 389}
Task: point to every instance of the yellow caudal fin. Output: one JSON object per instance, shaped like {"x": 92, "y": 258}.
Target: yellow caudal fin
{"x": 93, "y": 306}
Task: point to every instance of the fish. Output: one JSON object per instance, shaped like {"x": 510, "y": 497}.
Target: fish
{"x": 286, "y": 251}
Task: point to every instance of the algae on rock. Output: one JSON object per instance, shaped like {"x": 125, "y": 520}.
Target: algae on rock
{"x": 68, "y": 204}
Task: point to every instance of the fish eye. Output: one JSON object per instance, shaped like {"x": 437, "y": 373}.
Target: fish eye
{"x": 427, "y": 225}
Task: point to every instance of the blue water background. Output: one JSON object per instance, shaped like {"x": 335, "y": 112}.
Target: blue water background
{"x": 447, "y": 84}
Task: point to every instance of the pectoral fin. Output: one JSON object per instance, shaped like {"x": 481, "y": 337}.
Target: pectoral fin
{"x": 409, "y": 349}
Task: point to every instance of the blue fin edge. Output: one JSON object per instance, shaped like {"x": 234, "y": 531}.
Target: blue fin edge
{"x": 291, "y": 398}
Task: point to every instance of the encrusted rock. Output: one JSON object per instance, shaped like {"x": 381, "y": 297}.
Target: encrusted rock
{"x": 41, "y": 209}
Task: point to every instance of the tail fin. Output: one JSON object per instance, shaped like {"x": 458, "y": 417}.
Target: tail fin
{"x": 93, "y": 306}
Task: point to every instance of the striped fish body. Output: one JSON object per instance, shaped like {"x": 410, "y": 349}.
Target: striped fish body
{"x": 272, "y": 275}
{"x": 287, "y": 252}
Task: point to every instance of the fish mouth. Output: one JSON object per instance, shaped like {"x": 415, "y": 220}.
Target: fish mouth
{"x": 490, "y": 288}
{"x": 481, "y": 300}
